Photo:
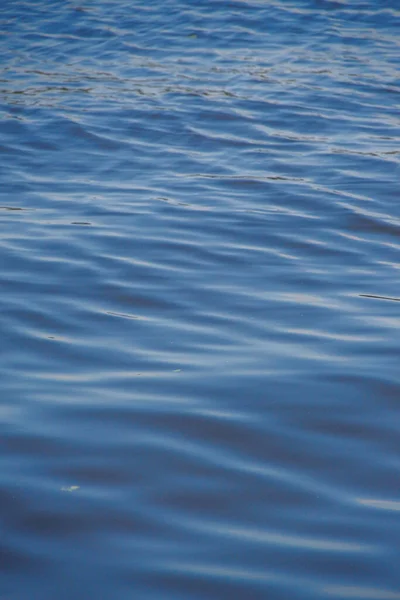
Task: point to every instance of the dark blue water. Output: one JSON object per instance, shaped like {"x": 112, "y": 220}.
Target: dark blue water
{"x": 199, "y": 309}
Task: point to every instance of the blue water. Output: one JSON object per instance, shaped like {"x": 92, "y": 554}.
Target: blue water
{"x": 199, "y": 308}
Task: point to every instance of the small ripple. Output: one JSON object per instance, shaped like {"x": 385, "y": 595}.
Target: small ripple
{"x": 363, "y": 593}
{"x": 391, "y": 505}
{"x": 256, "y": 536}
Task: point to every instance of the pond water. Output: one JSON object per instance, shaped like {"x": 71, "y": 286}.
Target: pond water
{"x": 199, "y": 309}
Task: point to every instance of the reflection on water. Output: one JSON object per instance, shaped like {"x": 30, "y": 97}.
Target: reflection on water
{"x": 199, "y": 309}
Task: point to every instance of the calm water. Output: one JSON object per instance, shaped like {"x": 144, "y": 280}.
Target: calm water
{"x": 200, "y": 316}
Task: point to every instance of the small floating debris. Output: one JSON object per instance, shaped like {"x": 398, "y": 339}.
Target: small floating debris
{"x": 80, "y": 223}
{"x": 70, "y": 488}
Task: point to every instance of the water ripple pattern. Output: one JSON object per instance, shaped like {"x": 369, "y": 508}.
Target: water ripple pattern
{"x": 199, "y": 309}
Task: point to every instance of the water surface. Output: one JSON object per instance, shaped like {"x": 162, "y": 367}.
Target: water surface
{"x": 199, "y": 302}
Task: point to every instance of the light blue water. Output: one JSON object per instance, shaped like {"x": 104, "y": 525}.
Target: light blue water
{"x": 199, "y": 302}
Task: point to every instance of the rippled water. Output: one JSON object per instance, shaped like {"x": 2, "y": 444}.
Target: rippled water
{"x": 200, "y": 294}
